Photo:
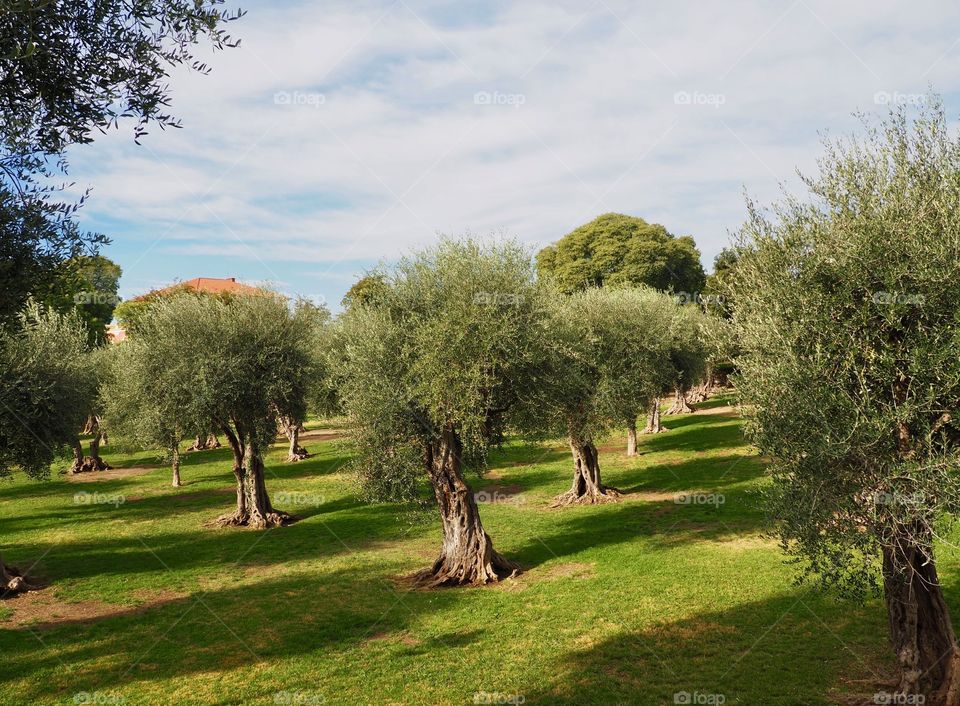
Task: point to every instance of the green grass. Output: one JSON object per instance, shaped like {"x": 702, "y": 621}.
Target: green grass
{"x": 621, "y": 603}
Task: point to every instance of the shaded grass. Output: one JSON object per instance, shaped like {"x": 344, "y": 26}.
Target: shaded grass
{"x": 623, "y": 603}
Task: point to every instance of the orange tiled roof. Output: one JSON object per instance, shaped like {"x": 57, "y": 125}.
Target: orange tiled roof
{"x": 208, "y": 285}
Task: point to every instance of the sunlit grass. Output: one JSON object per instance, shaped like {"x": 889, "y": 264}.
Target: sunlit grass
{"x": 621, "y": 603}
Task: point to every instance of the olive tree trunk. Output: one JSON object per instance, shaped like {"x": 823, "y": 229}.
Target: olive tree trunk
{"x": 292, "y": 429}
{"x": 680, "y": 404}
{"x": 175, "y": 464}
{"x": 920, "y": 629}
{"x": 204, "y": 442}
{"x": 12, "y": 580}
{"x": 653, "y": 418}
{"x": 88, "y": 464}
{"x": 467, "y": 556}
{"x": 587, "y": 487}
{"x": 632, "y": 437}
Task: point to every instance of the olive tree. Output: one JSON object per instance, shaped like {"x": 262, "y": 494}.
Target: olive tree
{"x": 609, "y": 361}
{"x": 689, "y": 350}
{"x": 234, "y": 365}
{"x": 847, "y": 308}
{"x": 144, "y": 401}
{"x": 45, "y": 392}
{"x": 429, "y": 375}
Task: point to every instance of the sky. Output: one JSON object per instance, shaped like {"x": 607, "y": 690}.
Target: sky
{"x": 341, "y": 135}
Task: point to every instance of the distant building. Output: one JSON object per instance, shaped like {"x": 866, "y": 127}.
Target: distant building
{"x": 205, "y": 285}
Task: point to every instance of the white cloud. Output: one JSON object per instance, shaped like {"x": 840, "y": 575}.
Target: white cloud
{"x": 587, "y": 121}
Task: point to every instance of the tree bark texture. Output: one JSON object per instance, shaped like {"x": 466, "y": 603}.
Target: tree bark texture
{"x": 467, "y": 556}
{"x": 653, "y": 418}
{"x": 587, "y": 487}
{"x": 680, "y": 404}
{"x": 921, "y": 632}
{"x": 632, "y": 437}
{"x": 291, "y": 430}
{"x": 175, "y": 463}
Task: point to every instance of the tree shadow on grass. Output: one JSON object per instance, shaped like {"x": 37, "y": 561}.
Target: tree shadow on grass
{"x": 796, "y": 648}
{"x": 221, "y": 630}
{"x": 329, "y": 529}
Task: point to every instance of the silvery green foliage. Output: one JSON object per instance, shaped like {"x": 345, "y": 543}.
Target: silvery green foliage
{"x": 690, "y": 345}
{"x": 452, "y": 340}
{"x": 611, "y": 355}
{"x": 848, "y": 314}
{"x": 202, "y": 362}
{"x": 47, "y": 386}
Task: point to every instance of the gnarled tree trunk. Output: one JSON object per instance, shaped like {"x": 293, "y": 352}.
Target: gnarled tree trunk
{"x": 292, "y": 431}
{"x": 204, "y": 442}
{"x": 587, "y": 487}
{"x": 653, "y": 419}
{"x": 12, "y": 580}
{"x": 467, "y": 556}
{"x": 680, "y": 404}
{"x": 632, "y": 437}
{"x": 260, "y": 513}
{"x": 240, "y": 515}
{"x": 93, "y": 462}
{"x": 920, "y": 629}
{"x": 175, "y": 464}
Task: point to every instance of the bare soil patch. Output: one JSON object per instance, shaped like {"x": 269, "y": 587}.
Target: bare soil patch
{"x": 41, "y": 610}
{"x": 322, "y": 434}
{"x": 112, "y": 474}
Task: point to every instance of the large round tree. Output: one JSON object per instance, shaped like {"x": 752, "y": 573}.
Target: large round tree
{"x": 848, "y": 312}
{"x": 430, "y": 373}
{"x": 618, "y": 249}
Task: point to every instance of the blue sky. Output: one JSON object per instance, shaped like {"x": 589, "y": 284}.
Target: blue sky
{"x": 340, "y": 135}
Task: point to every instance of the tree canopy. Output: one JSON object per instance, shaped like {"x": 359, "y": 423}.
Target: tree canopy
{"x": 231, "y": 364}
{"x": 611, "y": 357}
{"x": 848, "y": 314}
{"x": 46, "y": 389}
{"x": 431, "y": 374}
{"x": 618, "y": 249}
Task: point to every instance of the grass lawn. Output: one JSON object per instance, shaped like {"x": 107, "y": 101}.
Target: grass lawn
{"x": 621, "y": 603}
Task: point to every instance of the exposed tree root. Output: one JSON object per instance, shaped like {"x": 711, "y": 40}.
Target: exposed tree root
{"x": 273, "y": 518}
{"x": 297, "y": 454}
{"x": 89, "y": 464}
{"x": 605, "y": 494}
{"x": 202, "y": 443}
{"x": 478, "y": 570}
{"x": 13, "y": 581}
{"x": 680, "y": 404}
